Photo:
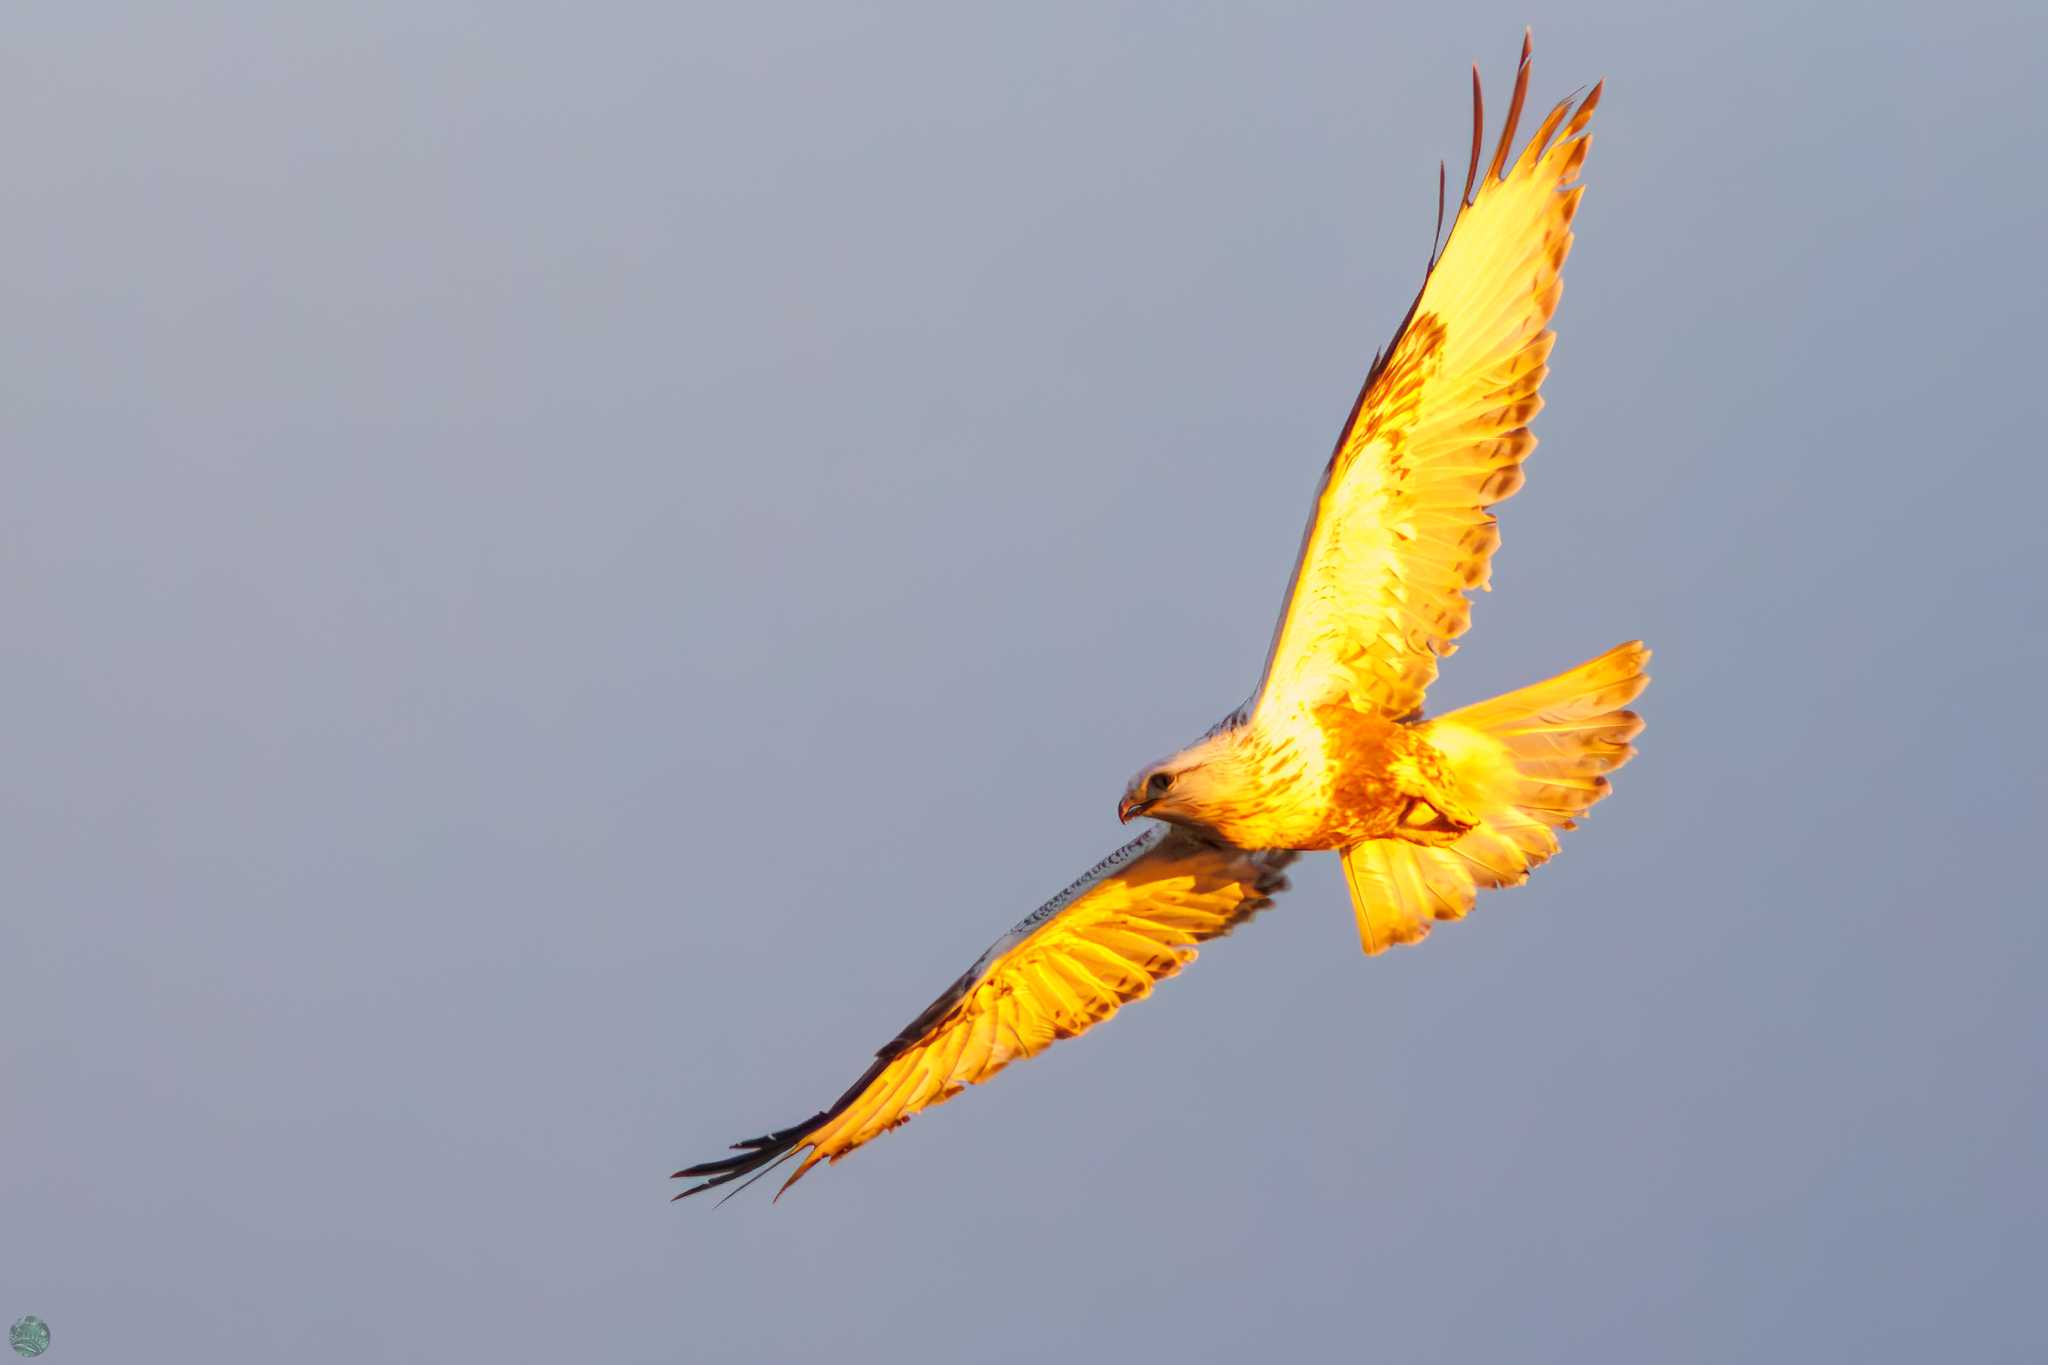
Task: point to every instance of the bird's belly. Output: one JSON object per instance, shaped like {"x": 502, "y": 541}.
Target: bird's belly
{"x": 1282, "y": 822}
{"x": 1363, "y": 805}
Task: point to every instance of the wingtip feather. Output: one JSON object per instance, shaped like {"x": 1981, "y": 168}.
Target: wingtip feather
{"x": 1478, "y": 138}
{"x": 1586, "y": 108}
{"x": 1515, "y": 102}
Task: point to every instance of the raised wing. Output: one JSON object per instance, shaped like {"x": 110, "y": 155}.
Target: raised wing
{"x": 1400, "y": 529}
{"x": 1133, "y": 919}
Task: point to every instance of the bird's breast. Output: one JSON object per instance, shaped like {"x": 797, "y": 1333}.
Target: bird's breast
{"x": 1282, "y": 782}
{"x": 1323, "y": 783}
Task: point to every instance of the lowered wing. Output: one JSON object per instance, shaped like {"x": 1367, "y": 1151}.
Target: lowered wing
{"x": 1132, "y": 920}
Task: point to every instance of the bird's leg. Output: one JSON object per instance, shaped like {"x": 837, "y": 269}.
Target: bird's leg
{"x": 1434, "y": 810}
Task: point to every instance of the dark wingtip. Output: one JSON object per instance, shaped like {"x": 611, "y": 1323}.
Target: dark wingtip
{"x": 756, "y": 1157}
{"x": 702, "y": 1169}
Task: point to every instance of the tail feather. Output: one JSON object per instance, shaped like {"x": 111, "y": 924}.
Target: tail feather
{"x": 1533, "y": 761}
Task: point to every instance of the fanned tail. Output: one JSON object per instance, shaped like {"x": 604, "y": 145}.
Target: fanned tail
{"x": 1532, "y": 762}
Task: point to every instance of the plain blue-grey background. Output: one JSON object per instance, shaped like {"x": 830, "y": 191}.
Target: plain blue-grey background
{"x": 562, "y": 571}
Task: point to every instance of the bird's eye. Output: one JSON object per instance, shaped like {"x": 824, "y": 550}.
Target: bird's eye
{"x": 1158, "y": 783}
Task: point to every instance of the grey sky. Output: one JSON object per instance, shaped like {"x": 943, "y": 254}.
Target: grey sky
{"x": 562, "y": 574}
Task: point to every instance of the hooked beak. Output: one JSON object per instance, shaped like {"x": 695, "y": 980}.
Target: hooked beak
{"x": 1131, "y": 807}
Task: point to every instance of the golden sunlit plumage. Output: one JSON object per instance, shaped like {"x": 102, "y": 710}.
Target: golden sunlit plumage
{"x": 1534, "y": 760}
{"x": 1332, "y": 751}
{"x": 1400, "y": 530}
{"x": 1132, "y": 920}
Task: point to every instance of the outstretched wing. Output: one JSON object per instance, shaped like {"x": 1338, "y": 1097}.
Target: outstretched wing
{"x": 1400, "y": 529}
{"x": 1133, "y": 919}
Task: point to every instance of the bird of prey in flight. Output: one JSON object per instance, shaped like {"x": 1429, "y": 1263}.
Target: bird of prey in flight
{"x": 1333, "y": 750}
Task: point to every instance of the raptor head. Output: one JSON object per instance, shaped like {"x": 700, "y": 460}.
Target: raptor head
{"x": 1150, "y": 793}
{"x": 1202, "y": 787}
{"x": 1192, "y": 787}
